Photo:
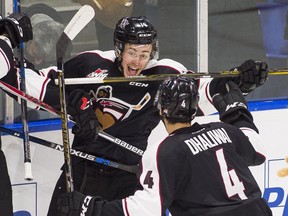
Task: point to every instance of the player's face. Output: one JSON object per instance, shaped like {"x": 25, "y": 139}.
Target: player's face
{"x": 134, "y": 58}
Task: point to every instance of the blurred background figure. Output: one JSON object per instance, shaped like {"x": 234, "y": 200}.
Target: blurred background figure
{"x": 47, "y": 28}
{"x": 107, "y": 13}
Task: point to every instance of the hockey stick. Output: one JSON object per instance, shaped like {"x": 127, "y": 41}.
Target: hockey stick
{"x": 121, "y": 143}
{"x": 18, "y": 93}
{"x": 8, "y": 88}
{"x": 77, "y": 23}
{"x": 26, "y": 143}
{"x": 159, "y": 77}
{"x": 77, "y": 153}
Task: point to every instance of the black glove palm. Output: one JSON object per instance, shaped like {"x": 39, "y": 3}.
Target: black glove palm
{"x": 75, "y": 204}
{"x": 253, "y": 75}
{"x": 232, "y": 105}
{"x": 81, "y": 109}
{"x": 17, "y": 27}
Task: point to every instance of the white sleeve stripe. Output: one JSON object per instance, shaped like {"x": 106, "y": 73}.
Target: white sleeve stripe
{"x": 43, "y": 91}
{"x": 207, "y": 90}
{"x": 147, "y": 201}
{"x": 255, "y": 140}
{"x": 41, "y": 73}
{"x": 5, "y": 64}
{"x": 35, "y": 86}
{"x": 205, "y": 101}
{"x": 44, "y": 86}
{"x": 125, "y": 207}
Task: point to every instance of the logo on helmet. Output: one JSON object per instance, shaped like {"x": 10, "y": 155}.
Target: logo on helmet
{"x": 143, "y": 25}
{"x": 124, "y": 23}
{"x": 145, "y": 35}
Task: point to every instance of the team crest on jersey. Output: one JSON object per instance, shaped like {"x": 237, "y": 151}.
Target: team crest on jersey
{"x": 98, "y": 73}
{"x": 110, "y": 109}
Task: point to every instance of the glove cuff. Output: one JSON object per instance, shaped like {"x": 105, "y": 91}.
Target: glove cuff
{"x": 218, "y": 85}
{"x": 236, "y": 115}
{"x": 87, "y": 206}
{"x": 92, "y": 206}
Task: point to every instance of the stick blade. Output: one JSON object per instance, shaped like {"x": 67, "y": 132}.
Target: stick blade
{"x": 84, "y": 15}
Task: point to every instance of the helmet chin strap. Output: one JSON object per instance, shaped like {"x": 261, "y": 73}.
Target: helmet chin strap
{"x": 119, "y": 61}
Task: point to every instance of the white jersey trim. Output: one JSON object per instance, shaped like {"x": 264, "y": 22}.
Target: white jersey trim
{"x": 255, "y": 139}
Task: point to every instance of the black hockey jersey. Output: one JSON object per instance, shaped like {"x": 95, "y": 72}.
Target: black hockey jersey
{"x": 125, "y": 110}
{"x": 198, "y": 171}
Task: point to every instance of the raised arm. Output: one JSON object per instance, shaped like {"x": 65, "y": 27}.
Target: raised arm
{"x": 233, "y": 110}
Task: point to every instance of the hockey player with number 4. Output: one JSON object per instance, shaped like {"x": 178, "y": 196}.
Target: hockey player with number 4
{"x": 198, "y": 169}
{"x": 124, "y": 110}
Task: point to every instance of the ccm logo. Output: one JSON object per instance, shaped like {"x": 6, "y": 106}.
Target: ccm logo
{"x": 139, "y": 84}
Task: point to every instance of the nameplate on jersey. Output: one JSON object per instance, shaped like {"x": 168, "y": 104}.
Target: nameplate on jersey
{"x": 207, "y": 140}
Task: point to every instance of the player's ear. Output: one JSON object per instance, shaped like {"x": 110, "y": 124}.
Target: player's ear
{"x": 160, "y": 112}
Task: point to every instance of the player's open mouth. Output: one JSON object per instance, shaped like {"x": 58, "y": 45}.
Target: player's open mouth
{"x": 132, "y": 72}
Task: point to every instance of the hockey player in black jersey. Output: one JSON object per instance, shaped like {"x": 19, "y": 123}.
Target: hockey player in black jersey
{"x": 124, "y": 110}
{"x": 198, "y": 169}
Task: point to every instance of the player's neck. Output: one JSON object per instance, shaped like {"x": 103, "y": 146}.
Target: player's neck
{"x": 172, "y": 127}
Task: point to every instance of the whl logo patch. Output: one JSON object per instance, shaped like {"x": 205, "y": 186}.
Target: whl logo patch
{"x": 101, "y": 73}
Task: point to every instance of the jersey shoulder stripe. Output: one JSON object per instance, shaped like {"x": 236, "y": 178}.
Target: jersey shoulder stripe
{"x": 109, "y": 55}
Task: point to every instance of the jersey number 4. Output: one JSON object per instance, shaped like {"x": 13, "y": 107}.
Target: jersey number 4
{"x": 232, "y": 183}
{"x": 149, "y": 179}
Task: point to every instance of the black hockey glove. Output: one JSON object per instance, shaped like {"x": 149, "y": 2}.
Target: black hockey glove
{"x": 75, "y": 204}
{"x": 17, "y": 27}
{"x": 232, "y": 105}
{"x": 253, "y": 75}
{"x": 81, "y": 109}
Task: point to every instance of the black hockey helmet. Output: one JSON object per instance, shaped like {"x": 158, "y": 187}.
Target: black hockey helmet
{"x": 135, "y": 30}
{"x": 178, "y": 98}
